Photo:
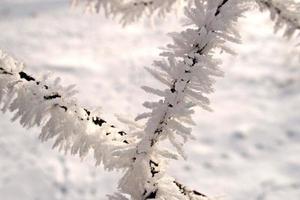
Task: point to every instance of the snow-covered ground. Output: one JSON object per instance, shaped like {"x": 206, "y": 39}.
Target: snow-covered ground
{"x": 247, "y": 149}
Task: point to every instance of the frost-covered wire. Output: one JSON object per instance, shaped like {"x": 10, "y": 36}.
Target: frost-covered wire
{"x": 44, "y": 102}
{"x": 285, "y": 13}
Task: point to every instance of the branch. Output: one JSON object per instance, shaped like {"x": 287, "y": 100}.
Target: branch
{"x": 192, "y": 194}
{"x": 130, "y": 11}
{"x": 285, "y": 14}
{"x": 109, "y": 6}
{"x": 40, "y": 102}
{"x": 43, "y": 102}
{"x": 188, "y": 73}
{"x": 134, "y": 10}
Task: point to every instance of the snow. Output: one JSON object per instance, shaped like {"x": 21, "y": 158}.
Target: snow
{"x": 248, "y": 148}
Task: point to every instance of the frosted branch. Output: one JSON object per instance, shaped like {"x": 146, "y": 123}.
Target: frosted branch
{"x": 43, "y": 102}
{"x": 135, "y": 9}
{"x": 130, "y": 10}
{"x": 188, "y": 72}
{"x": 285, "y": 14}
{"x": 191, "y": 194}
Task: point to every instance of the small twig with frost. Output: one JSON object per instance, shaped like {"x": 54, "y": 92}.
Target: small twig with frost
{"x": 44, "y": 102}
{"x": 188, "y": 73}
{"x": 285, "y": 13}
{"x": 132, "y": 10}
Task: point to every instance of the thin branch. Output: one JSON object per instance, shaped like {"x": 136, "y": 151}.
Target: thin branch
{"x": 190, "y": 65}
{"x": 285, "y": 14}
{"x": 130, "y": 11}
{"x": 187, "y": 192}
{"x": 43, "y": 102}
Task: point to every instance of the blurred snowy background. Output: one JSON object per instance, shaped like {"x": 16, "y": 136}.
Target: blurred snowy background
{"x": 247, "y": 149}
